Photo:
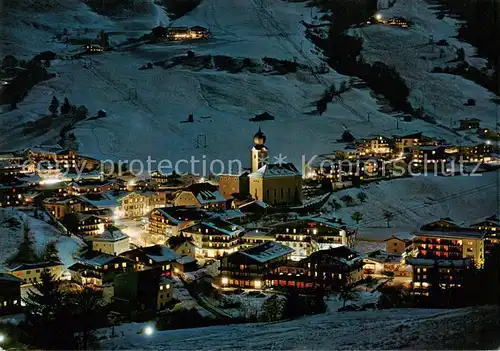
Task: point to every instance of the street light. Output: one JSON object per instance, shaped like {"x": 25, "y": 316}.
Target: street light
{"x": 2, "y": 338}
{"x": 378, "y": 16}
{"x": 149, "y": 330}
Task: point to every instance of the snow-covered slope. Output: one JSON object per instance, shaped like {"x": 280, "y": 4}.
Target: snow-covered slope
{"x": 419, "y": 200}
{"x": 441, "y": 95}
{"x": 12, "y": 224}
{"x": 383, "y": 329}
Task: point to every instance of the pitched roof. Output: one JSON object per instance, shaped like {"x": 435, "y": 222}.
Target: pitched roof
{"x": 452, "y": 234}
{"x": 205, "y": 193}
{"x": 403, "y": 236}
{"x": 267, "y": 251}
{"x": 275, "y": 170}
{"x": 179, "y": 214}
{"x": 108, "y": 235}
{"x": 157, "y": 253}
{"x": 24, "y": 266}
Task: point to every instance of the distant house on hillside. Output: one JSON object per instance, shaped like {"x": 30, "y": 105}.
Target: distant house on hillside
{"x": 470, "y": 123}
{"x": 203, "y": 195}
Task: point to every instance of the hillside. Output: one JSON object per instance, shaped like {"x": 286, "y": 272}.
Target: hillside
{"x": 384, "y": 329}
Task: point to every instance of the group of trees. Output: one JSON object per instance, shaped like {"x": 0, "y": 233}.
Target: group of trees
{"x": 293, "y": 305}
{"x": 27, "y": 252}
{"x": 58, "y": 320}
{"x": 344, "y": 52}
{"x": 67, "y": 109}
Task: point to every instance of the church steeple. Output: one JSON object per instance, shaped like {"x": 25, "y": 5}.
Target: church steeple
{"x": 259, "y": 150}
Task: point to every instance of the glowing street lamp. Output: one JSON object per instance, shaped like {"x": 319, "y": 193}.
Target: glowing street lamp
{"x": 149, "y": 330}
{"x": 378, "y": 17}
{"x": 2, "y": 338}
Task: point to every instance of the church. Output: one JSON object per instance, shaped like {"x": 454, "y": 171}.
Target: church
{"x": 273, "y": 183}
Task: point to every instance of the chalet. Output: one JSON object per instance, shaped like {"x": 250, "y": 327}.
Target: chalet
{"x": 10, "y": 168}
{"x": 13, "y": 193}
{"x": 325, "y": 269}
{"x": 380, "y": 262}
{"x": 488, "y": 225}
{"x": 335, "y": 267}
{"x": 348, "y": 152}
{"x": 476, "y": 153}
{"x": 399, "y": 243}
{"x": 186, "y": 248}
{"x": 248, "y": 268}
{"x": 10, "y": 293}
{"x": 375, "y": 146}
{"x": 423, "y": 155}
{"x": 59, "y": 207}
{"x": 169, "y": 221}
{"x": 406, "y": 143}
{"x": 93, "y": 222}
{"x": 30, "y": 273}
{"x": 442, "y": 224}
{"x": 158, "y": 256}
{"x": 185, "y": 264}
{"x": 450, "y": 245}
{"x": 99, "y": 268}
{"x": 445, "y": 273}
{"x": 135, "y": 204}
{"x": 203, "y": 195}
{"x": 469, "y": 123}
{"x": 215, "y": 237}
{"x": 112, "y": 242}
{"x": 255, "y": 207}
{"x": 91, "y": 186}
{"x": 306, "y": 236}
{"x": 257, "y": 236}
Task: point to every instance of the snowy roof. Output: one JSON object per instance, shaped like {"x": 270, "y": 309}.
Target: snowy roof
{"x": 57, "y": 200}
{"x": 104, "y": 200}
{"x": 157, "y": 253}
{"x": 267, "y": 251}
{"x": 179, "y": 214}
{"x": 185, "y": 260}
{"x": 490, "y": 220}
{"x": 276, "y": 170}
{"x": 452, "y": 234}
{"x": 429, "y": 262}
{"x": 255, "y": 203}
{"x": 99, "y": 260}
{"x": 33, "y": 178}
{"x": 403, "y": 236}
{"x": 223, "y": 226}
{"x": 205, "y": 193}
{"x": 10, "y": 277}
{"x": 341, "y": 253}
{"x": 259, "y": 232}
{"x": 24, "y": 266}
{"x": 383, "y": 256}
{"x": 108, "y": 235}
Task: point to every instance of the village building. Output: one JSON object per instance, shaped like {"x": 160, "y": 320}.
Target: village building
{"x": 187, "y": 33}
{"x": 63, "y": 158}
{"x": 231, "y": 184}
{"x": 93, "y": 222}
{"x": 254, "y": 208}
{"x": 399, "y": 243}
{"x": 405, "y": 143}
{"x": 186, "y": 249}
{"x": 13, "y": 194}
{"x": 86, "y": 186}
{"x": 93, "y": 48}
{"x": 202, "y": 195}
{"x": 376, "y": 146}
{"x": 381, "y": 262}
{"x": 59, "y": 207}
{"x": 96, "y": 269}
{"x": 30, "y": 273}
{"x": 185, "y": 264}
{"x": 325, "y": 270}
{"x": 428, "y": 272}
{"x": 306, "y": 236}
{"x": 476, "y": 153}
{"x": 423, "y": 155}
{"x": 111, "y": 242}
{"x": 256, "y": 236}
{"x": 214, "y": 237}
{"x": 489, "y": 225}
{"x": 450, "y": 245}
{"x": 168, "y": 221}
{"x": 469, "y": 123}
{"x": 156, "y": 256}
{"x": 442, "y": 224}
{"x": 347, "y": 152}
{"x": 248, "y": 268}
{"x": 10, "y": 294}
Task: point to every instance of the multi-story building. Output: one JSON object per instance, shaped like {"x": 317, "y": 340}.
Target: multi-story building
{"x": 425, "y": 155}
{"x": 325, "y": 269}
{"x": 99, "y": 268}
{"x": 248, "y": 268}
{"x": 65, "y": 159}
{"x": 230, "y": 184}
{"x": 428, "y": 272}
{"x": 111, "y": 242}
{"x": 405, "y": 144}
{"x": 450, "y": 245}
{"x": 156, "y": 256}
{"x": 380, "y": 146}
{"x": 470, "y": 123}
{"x": 10, "y": 293}
{"x": 59, "y": 207}
{"x": 380, "y": 262}
{"x": 215, "y": 237}
{"x": 309, "y": 235}
{"x": 93, "y": 222}
{"x": 476, "y": 153}
{"x": 257, "y": 236}
{"x": 137, "y": 203}
{"x": 203, "y": 195}
{"x": 169, "y": 221}
{"x": 30, "y": 273}
{"x": 399, "y": 243}
{"x": 89, "y": 186}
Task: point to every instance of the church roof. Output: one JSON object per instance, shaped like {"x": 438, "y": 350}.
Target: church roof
{"x": 275, "y": 170}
